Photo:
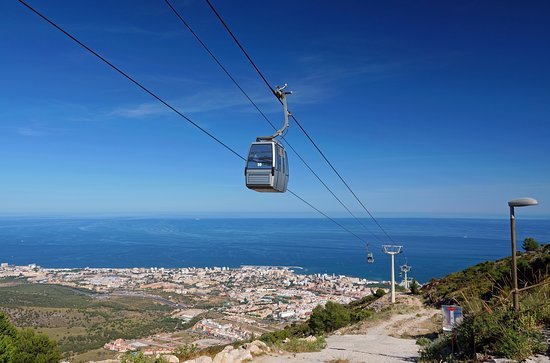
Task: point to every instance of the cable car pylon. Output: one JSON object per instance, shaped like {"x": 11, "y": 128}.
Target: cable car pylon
{"x": 405, "y": 269}
{"x": 266, "y": 167}
{"x": 392, "y": 250}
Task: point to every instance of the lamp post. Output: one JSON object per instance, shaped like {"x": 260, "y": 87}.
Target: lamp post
{"x": 522, "y": 202}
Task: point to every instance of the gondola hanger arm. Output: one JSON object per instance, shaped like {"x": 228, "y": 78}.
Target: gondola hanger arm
{"x": 281, "y": 94}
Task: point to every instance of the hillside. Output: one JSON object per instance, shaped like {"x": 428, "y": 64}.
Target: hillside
{"x": 489, "y": 281}
{"x": 490, "y": 326}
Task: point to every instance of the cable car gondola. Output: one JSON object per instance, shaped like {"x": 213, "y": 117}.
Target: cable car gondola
{"x": 267, "y": 167}
{"x": 267, "y": 164}
{"x": 370, "y": 257}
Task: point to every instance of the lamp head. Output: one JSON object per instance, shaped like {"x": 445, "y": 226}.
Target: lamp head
{"x": 522, "y": 202}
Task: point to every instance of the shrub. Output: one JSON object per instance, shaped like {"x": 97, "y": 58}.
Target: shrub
{"x": 437, "y": 350}
{"x": 140, "y": 358}
{"x": 423, "y": 341}
{"x": 415, "y": 288}
{"x": 303, "y": 345}
{"x": 503, "y": 333}
{"x": 530, "y": 244}
{"x": 187, "y": 351}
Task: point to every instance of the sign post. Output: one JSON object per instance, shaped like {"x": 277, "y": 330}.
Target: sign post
{"x": 452, "y": 316}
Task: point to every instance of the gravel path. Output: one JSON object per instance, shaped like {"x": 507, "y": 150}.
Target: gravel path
{"x": 374, "y": 346}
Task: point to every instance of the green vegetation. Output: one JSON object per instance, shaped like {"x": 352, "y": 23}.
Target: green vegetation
{"x": 25, "y": 345}
{"x": 329, "y": 318}
{"x": 94, "y": 355}
{"x": 187, "y": 351}
{"x": 503, "y": 333}
{"x": 415, "y": 287}
{"x": 38, "y": 295}
{"x": 324, "y": 320}
{"x": 488, "y": 283}
{"x": 530, "y": 244}
{"x": 80, "y": 321}
{"x": 138, "y": 357}
{"x": 423, "y": 341}
{"x": 302, "y": 345}
{"x": 490, "y": 325}
{"x": 127, "y": 328}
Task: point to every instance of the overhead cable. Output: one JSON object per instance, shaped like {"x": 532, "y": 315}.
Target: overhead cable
{"x": 226, "y": 71}
{"x": 294, "y": 118}
{"x": 158, "y": 98}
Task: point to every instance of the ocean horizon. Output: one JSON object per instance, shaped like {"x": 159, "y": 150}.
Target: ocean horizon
{"x": 433, "y": 247}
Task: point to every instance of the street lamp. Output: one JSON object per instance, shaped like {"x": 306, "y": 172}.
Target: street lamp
{"x": 522, "y": 202}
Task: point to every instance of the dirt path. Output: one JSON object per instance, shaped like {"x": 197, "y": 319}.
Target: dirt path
{"x": 371, "y": 344}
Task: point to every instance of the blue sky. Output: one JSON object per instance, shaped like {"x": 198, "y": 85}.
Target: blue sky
{"x": 426, "y": 108}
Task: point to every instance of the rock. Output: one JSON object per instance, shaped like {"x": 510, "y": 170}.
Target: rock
{"x": 231, "y": 355}
{"x": 538, "y": 359}
{"x": 201, "y": 359}
{"x": 170, "y": 358}
{"x": 242, "y": 355}
{"x": 257, "y": 347}
{"x": 223, "y": 357}
{"x": 254, "y": 349}
{"x": 261, "y": 345}
{"x": 310, "y": 339}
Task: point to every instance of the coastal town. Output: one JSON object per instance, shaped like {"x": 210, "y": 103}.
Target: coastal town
{"x": 242, "y": 302}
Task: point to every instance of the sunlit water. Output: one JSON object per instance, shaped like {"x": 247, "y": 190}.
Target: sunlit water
{"x": 433, "y": 247}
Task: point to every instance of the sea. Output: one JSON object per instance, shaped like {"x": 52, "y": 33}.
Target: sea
{"x": 433, "y": 247}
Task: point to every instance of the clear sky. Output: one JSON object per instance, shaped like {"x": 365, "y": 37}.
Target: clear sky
{"x": 427, "y": 108}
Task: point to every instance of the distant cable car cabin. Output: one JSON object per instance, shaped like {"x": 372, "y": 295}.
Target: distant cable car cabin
{"x": 267, "y": 164}
{"x": 370, "y": 257}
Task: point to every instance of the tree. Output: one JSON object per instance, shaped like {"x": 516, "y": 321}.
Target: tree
{"x": 317, "y": 320}
{"x": 379, "y": 293}
{"x": 530, "y": 244}
{"x": 338, "y": 316}
{"x": 325, "y": 320}
{"x": 25, "y": 345}
{"x": 415, "y": 287}
{"x": 36, "y": 348}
